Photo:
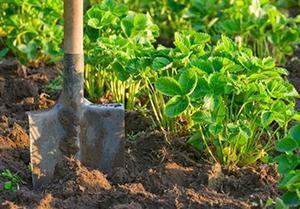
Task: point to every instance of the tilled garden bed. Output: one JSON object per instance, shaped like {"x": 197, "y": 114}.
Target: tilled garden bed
{"x": 160, "y": 170}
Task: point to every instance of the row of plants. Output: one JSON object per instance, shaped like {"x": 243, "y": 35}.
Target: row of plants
{"x": 221, "y": 90}
{"x": 257, "y": 24}
{"x": 234, "y": 106}
{"x": 222, "y": 95}
{"x": 31, "y": 29}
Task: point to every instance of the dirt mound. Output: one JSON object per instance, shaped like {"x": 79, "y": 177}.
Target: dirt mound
{"x": 250, "y": 181}
{"x": 71, "y": 178}
{"x": 136, "y": 121}
{"x": 165, "y": 184}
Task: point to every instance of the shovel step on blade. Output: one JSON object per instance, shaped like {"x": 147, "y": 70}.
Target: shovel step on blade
{"x": 100, "y": 139}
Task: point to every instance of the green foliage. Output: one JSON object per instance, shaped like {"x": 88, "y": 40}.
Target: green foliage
{"x": 257, "y": 24}
{"x": 254, "y": 23}
{"x": 56, "y": 84}
{"x": 287, "y": 3}
{"x": 116, "y": 41}
{"x": 31, "y": 29}
{"x": 236, "y": 104}
{"x": 166, "y": 13}
{"x": 289, "y": 168}
{"x": 3, "y": 53}
{"x": 13, "y": 181}
{"x": 179, "y": 90}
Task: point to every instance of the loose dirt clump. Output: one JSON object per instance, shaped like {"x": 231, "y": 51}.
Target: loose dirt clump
{"x": 71, "y": 178}
{"x": 136, "y": 122}
{"x": 17, "y": 89}
{"x": 45, "y": 203}
{"x": 250, "y": 181}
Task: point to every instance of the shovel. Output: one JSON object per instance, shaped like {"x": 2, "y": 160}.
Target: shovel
{"x": 94, "y": 134}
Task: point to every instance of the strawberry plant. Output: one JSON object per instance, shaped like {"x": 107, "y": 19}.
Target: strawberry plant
{"x": 13, "y": 181}
{"x": 236, "y": 104}
{"x": 168, "y": 14}
{"x": 116, "y": 42}
{"x": 31, "y": 29}
{"x": 254, "y": 23}
{"x": 289, "y": 168}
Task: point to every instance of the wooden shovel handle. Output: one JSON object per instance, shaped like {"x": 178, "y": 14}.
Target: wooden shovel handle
{"x": 73, "y": 26}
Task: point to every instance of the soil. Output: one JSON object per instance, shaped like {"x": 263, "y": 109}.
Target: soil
{"x": 160, "y": 170}
{"x": 293, "y": 67}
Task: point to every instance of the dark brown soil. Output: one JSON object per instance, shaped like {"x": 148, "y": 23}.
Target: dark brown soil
{"x": 293, "y": 66}
{"x": 160, "y": 170}
{"x": 294, "y": 11}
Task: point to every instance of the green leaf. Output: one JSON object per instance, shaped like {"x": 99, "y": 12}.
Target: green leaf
{"x": 268, "y": 63}
{"x": 132, "y": 66}
{"x": 226, "y": 44}
{"x": 94, "y": 23}
{"x": 290, "y": 181}
{"x": 140, "y": 22}
{"x": 127, "y": 26}
{"x": 279, "y": 204}
{"x": 107, "y": 19}
{"x": 176, "y": 105}
{"x": 182, "y": 43}
{"x": 195, "y": 141}
{"x": 160, "y": 63}
{"x": 286, "y": 145}
{"x": 175, "y": 7}
{"x": 215, "y": 129}
{"x": 8, "y": 185}
{"x": 168, "y": 86}
{"x": 201, "y": 38}
{"x": 108, "y": 4}
{"x": 188, "y": 81}
{"x": 29, "y": 50}
{"x": 120, "y": 10}
{"x": 217, "y": 63}
{"x": 287, "y": 163}
{"x": 295, "y": 133}
{"x": 3, "y": 52}
{"x": 121, "y": 73}
{"x": 230, "y": 26}
{"x": 202, "y": 89}
{"x": 203, "y": 65}
{"x": 296, "y": 116}
{"x": 266, "y": 118}
{"x": 291, "y": 198}
{"x": 217, "y": 83}
{"x": 94, "y": 12}
{"x": 201, "y": 117}
{"x": 218, "y": 109}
